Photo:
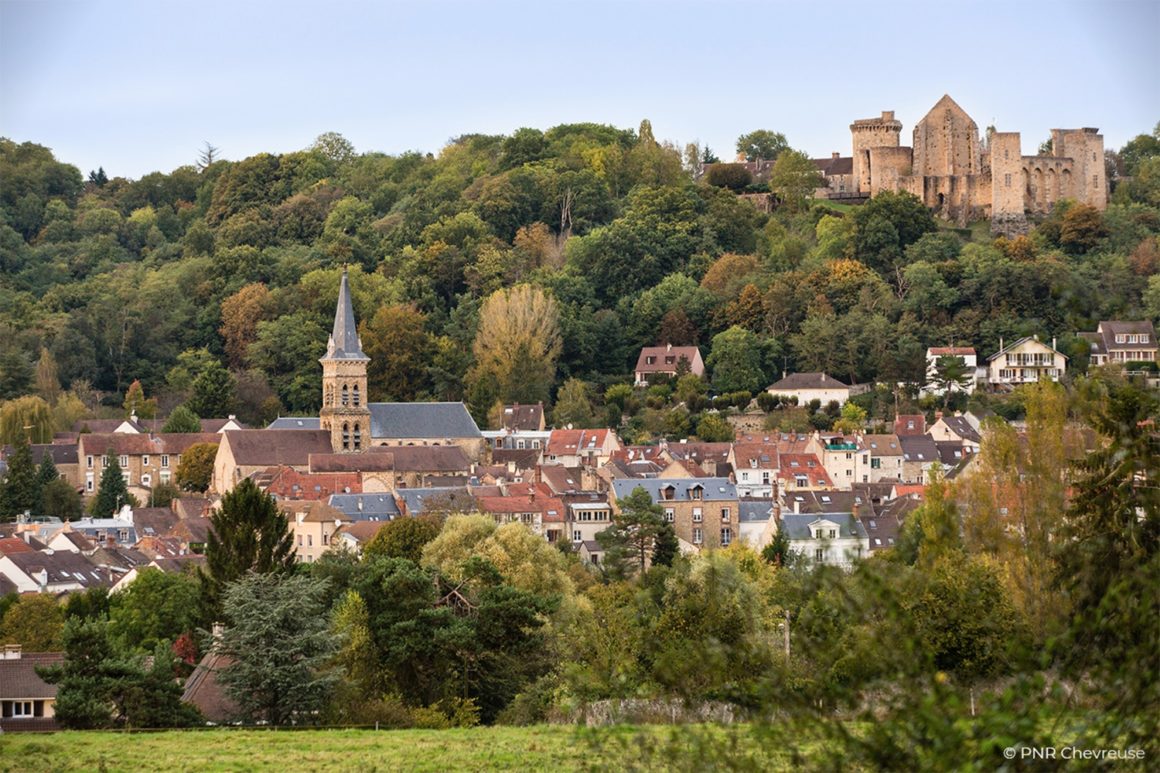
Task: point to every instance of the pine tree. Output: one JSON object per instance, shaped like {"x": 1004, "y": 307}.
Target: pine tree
{"x": 20, "y": 490}
{"x": 182, "y": 419}
{"x": 666, "y": 546}
{"x": 113, "y": 492}
{"x": 630, "y": 540}
{"x": 214, "y": 392}
{"x": 247, "y": 534}
{"x": 45, "y": 474}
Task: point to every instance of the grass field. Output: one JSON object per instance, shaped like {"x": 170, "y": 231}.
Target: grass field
{"x": 541, "y": 748}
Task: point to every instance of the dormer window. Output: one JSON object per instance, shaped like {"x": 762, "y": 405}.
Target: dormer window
{"x": 696, "y": 493}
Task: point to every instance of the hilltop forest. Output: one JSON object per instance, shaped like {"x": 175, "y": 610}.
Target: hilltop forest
{"x": 520, "y": 268}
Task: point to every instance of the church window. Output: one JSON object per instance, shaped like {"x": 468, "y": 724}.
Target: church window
{"x": 345, "y": 437}
{"x": 345, "y": 395}
{"x": 357, "y": 437}
{"x": 1007, "y": 180}
{"x": 356, "y": 396}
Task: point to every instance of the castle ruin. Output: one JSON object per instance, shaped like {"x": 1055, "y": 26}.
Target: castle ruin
{"x": 963, "y": 178}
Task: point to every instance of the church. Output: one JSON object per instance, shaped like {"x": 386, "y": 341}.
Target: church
{"x": 347, "y": 423}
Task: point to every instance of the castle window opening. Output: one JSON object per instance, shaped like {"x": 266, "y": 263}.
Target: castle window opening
{"x": 345, "y": 437}
{"x": 345, "y": 395}
{"x": 357, "y": 437}
{"x": 356, "y": 397}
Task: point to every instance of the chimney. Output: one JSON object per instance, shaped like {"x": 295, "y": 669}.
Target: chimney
{"x": 669, "y": 346}
{"x": 1001, "y": 347}
{"x": 360, "y": 504}
{"x": 11, "y": 652}
{"x": 835, "y": 155}
{"x": 797, "y": 506}
{"x": 1053, "y": 342}
{"x": 938, "y": 415}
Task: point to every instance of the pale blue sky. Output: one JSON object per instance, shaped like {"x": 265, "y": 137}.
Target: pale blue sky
{"x": 139, "y": 86}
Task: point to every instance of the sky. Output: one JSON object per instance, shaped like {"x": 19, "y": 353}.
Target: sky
{"x": 137, "y": 87}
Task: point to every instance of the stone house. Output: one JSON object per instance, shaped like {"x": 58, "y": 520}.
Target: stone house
{"x": 588, "y": 515}
{"x": 886, "y": 462}
{"x": 537, "y": 509}
{"x": 581, "y": 447}
{"x": 242, "y": 453}
{"x": 665, "y": 360}
{"x": 958, "y": 429}
{"x": 919, "y": 455}
{"x": 1025, "y": 361}
{"x": 146, "y": 460}
{"x": 703, "y": 511}
{"x": 313, "y": 524}
{"x": 846, "y": 460}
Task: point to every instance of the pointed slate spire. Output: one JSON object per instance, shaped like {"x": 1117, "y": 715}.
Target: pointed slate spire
{"x": 344, "y": 343}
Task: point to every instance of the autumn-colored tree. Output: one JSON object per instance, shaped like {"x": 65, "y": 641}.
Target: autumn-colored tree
{"x": 136, "y": 404}
{"x": 748, "y": 310}
{"x": 677, "y": 329}
{"x": 241, "y": 313}
{"x": 195, "y": 470}
{"x": 517, "y": 343}
{"x": 400, "y": 347}
{"x": 729, "y": 274}
{"x": 35, "y": 622}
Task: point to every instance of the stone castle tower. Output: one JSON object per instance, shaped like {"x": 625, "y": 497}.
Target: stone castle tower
{"x": 344, "y": 381}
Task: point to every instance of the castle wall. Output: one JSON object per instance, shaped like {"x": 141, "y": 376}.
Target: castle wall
{"x": 1047, "y": 179}
{"x": 868, "y": 133}
{"x": 887, "y": 165}
{"x": 946, "y": 143}
{"x": 1085, "y": 147}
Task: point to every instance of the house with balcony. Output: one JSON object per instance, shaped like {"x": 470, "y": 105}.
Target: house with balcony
{"x": 846, "y": 460}
{"x": 1026, "y": 361}
{"x": 1129, "y": 346}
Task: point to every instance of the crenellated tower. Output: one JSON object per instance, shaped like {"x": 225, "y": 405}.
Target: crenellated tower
{"x": 344, "y": 381}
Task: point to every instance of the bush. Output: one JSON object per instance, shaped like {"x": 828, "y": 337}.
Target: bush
{"x": 735, "y": 177}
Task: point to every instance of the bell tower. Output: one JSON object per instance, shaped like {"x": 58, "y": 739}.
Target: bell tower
{"x": 344, "y": 381}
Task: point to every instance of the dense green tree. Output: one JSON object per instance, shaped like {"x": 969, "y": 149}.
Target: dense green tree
{"x": 573, "y": 408}
{"x": 713, "y": 428}
{"x": 182, "y": 419}
{"x": 156, "y": 608}
{"x": 248, "y": 533}
{"x": 401, "y": 349}
{"x": 214, "y": 392}
{"x": 950, "y": 373}
{"x": 735, "y": 361}
{"x": 666, "y": 546}
{"x": 20, "y": 491}
{"x": 280, "y": 645}
{"x": 888, "y": 224}
{"x": 762, "y": 145}
{"x": 794, "y": 178}
{"x": 60, "y": 499}
{"x": 112, "y": 491}
{"x": 629, "y": 542}
{"x": 100, "y": 687}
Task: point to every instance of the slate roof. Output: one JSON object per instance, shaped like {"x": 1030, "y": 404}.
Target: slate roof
{"x": 204, "y": 691}
{"x": 918, "y": 448}
{"x": 797, "y": 527}
{"x": 951, "y": 452}
{"x": 178, "y": 564}
{"x": 271, "y": 447}
{"x": 295, "y": 422}
{"x": 422, "y": 420}
{"x": 754, "y": 510}
{"x": 18, "y": 677}
{"x": 961, "y": 427}
{"x": 834, "y": 166}
{"x": 153, "y": 521}
{"x": 425, "y": 458}
{"x": 415, "y": 499}
{"x": 61, "y": 453}
{"x": 63, "y": 568}
{"x": 1111, "y": 329}
{"x": 522, "y": 458}
{"x": 882, "y": 445}
{"x": 796, "y": 381}
{"x": 714, "y": 488}
{"x": 523, "y": 417}
{"x": 366, "y": 507}
{"x": 344, "y": 343}
{"x": 823, "y": 501}
{"x": 883, "y": 529}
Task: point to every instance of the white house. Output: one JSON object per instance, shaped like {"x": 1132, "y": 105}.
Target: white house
{"x": 816, "y": 386}
{"x": 965, "y": 354}
{"x": 1025, "y": 361}
{"x": 834, "y": 539}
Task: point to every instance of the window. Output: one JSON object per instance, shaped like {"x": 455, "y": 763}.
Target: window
{"x": 356, "y": 397}
{"x": 801, "y": 480}
{"x": 696, "y": 493}
{"x": 164, "y": 460}
{"x": 345, "y": 437}
{"x": 745, "y": 477}
{"x": 145, "y": 460}
{"x": 698, "y": 538}
{"x": 765, "y": 478}
{"x": 833, "y": 533}
{"x": 357, "y": 436}
{"x": 164, "y": 476}
{"x": 147, "y": 480}
{"x": 819, "y": 555}
{"x": 650, "y": 360}
{"x": 19, "y": 708}
{"x": 726, "y": 537}
{"x": 299, "y": 540}
{"x": 127, "y": 478}
{"x": 576, "y": 536}
{"x": 89, "y": 462}
{"x": 1007, "y": 180}
{"x": 345, "y": 395}
{"x": 724, "y": 515}
{"x": 123, "y": 461}
{"x": 875, "y": 463}
{"x": 670, "y": 516}
{"x": 696, "y": 515}
{"x": 309, "y": 540}
{"x": 89, "y": 482}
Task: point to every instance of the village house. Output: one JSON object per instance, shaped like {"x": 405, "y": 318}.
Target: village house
{"x": 146, "y": 460}
{"x": 27, "y": 702}
{"x": 581, "y": 447}
{"x": 958, "y": 429}
{"x": 807, "y": 387}
{"x": 802, "y": 472}
{"x": 909, "y": 424}
{"x": 702, "y": 459}
{"x": 1025, "y": 361}
{"x": 919, "y": 454}
{"x": 1119, "y": 343}
{"x": 845, "y": 460}
{"x": 757, "y": 521}
{"x": 366, "y": 507}
{"x": 51, "y": 571}
{"x": 755, "y": 465}
{"x": 242, "y": 453}
{"x": 667, "y": 360}
{"x": 832, "y": 539}
{"x": 312, "y": 523}
{"x": 703, "y": 511}
{"x": 964, "y": 354}
{"x": 537, "y": 509}
{"x": 885, "y": 457}
{"x": 588, "y": 515}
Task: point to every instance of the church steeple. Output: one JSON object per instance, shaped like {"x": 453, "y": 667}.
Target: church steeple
{"x": 344, "y": 343}
{"x": 344, "y": 381}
